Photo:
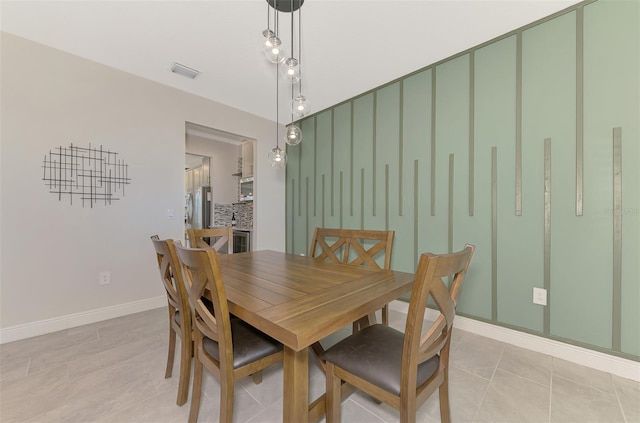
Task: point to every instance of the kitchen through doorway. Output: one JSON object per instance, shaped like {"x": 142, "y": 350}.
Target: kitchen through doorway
{"x": 227, "y": 162}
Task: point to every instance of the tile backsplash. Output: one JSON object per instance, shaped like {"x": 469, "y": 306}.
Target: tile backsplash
{"x": 244, "y": 214}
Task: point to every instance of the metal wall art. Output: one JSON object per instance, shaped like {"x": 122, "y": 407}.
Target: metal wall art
{"x": 89, "y": 175}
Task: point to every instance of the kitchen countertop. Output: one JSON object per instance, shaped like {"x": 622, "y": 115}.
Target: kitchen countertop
{"x": 242, "y": 229}
{"x": 235, "y": 228}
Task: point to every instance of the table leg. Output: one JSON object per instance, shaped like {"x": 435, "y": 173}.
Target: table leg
{"x": 296, "y": 385}
{"x": 364, "y": 322}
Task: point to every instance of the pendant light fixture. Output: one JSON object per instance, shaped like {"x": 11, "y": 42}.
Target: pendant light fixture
{"x": 277, "y": 156}
{"x": 299, "y": 104}
{"x": 290, "y": 70}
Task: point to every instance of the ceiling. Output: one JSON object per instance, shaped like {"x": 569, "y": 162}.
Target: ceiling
{"x": 348, "y": 47}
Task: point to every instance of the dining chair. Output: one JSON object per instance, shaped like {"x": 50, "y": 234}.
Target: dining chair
{"x": 215, "y": 238}
{"x": 403, "y": 370}
{"x": 179, "y": 313}
{"x": 358, "y": 247}
{"x": 228, "y": 348}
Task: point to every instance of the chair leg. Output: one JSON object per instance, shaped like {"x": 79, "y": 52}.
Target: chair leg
{"x": 257, "y": 377}
{"x": 226, "y": 400}
{"x": 186, "y": 351}
{"x": 333, "y": 396}
{"x": 385, "y": 315}
{"x": 171, "y": 352}
{"x": 196, "y": 391}
{"x": 445, "y": 412}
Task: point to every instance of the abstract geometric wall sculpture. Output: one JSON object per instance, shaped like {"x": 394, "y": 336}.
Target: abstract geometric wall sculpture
{"x": 91, "y": 175}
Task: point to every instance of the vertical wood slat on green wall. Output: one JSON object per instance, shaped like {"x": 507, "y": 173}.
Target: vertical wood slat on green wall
{"x": 518, "y": 110}
{"x": 611, "y": 69}
{"x": 342, "y": 160}
{"x": 494, "y": 233}
{"x": 363, "y": 158}
{"x": 301, "y": 169}
{"x": 548, "y": 111}
{"x": 387, "y": 123}
{"x": 453, "y": 110}
{"x": 617, "y": 238}
{"x": 547, "y": 231}
{"x": 403, "y": 134}
{"x": 472, "y": 133}
{"x": 495, "y": 127}
{"x": 416, "y": 134}
{"x": 293, "y": 225}
{"x": 579, "y": 107}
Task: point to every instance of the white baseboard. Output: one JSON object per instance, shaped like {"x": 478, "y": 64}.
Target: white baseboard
{"x": 600, "y": 361}
{"x": 28, "y": 330}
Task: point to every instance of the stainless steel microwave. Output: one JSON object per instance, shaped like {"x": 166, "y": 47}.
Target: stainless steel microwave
{"x": 246, "y": 189}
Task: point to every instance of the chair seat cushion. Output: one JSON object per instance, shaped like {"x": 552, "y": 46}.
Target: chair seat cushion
{"x": 249, "y": 344}
{"x": 375, "y": 355}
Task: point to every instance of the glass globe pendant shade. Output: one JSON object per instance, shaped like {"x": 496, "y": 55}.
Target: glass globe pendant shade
{"x": 266, "y": 34}
{"x": 300, "y": 106}
{"x": 273, "y": 49}
{"x": 277, "y": 157}
{"x": 290, "y": 70}
{"x": 293, "y": 134}
{"x": 265, "y": 44}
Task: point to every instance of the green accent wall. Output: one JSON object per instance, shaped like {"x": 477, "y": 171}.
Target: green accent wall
{"x": 509, "y": 146}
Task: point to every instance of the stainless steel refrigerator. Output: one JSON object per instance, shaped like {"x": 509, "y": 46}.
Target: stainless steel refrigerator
{"x": 199, "y": 208}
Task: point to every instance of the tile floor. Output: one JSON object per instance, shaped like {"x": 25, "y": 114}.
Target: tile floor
{"x": 113, "y": 371}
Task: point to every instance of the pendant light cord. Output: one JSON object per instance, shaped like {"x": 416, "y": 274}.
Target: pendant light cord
{"x": 291, "y": 28}
{"x": 292, "y": 88}
{"x": 268, "y": 20}
{"x": 299, "y": 44}
{"x": 277, "y": 109}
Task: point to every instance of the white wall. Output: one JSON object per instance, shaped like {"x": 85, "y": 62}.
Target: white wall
{"x": 52, "y": 252}
{"x": 224, "y": 162}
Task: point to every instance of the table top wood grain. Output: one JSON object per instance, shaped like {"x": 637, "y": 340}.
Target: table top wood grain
{"x": 298, "y": 300}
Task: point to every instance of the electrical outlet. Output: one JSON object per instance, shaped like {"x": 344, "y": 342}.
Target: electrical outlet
{"x": 105, "y": 278}
{"x": 540, "y": 296}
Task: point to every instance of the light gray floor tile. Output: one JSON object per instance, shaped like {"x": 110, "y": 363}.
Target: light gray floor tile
{"x": 245, "y": 406}
{"x": 270, "y": 390}
{"x": 47, "y": 379}
{"x": 529, "y": 364}
{"x": 476, "y": 354}
{"x": 271, "y": 414}
{"x": 155, "y": 366}
{"x": 628, "y": 392}
{"x": 48, "y": 344}
{"x": 584, "y": 375}
{"x": 466, "y": 392}
{"x": 573, "y": 402}
{"x": 383, "y": 411}
{"x": 113, "y": 371}
{"x": 16, "y": 370}
{"x": 317, "y": 386}
{"x": 34, "y": 394}
{"x": 353, "y": 412}
{"x": 158, "y": 409}
{"x": 512, "y": 398}
{"x": 103, "y": 399}
{"x": 56, "y": 356}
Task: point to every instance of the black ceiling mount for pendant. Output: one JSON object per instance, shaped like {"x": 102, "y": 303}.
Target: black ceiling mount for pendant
{"x": 286, "y": 5}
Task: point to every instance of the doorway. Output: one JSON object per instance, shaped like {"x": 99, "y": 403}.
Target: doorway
{"x": 225, "y": 152}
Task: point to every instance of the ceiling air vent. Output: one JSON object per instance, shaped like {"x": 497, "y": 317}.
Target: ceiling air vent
{"x": 185, "y": 71}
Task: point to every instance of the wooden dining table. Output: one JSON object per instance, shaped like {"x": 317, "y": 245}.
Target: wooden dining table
{"x": 298, "y": 301}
